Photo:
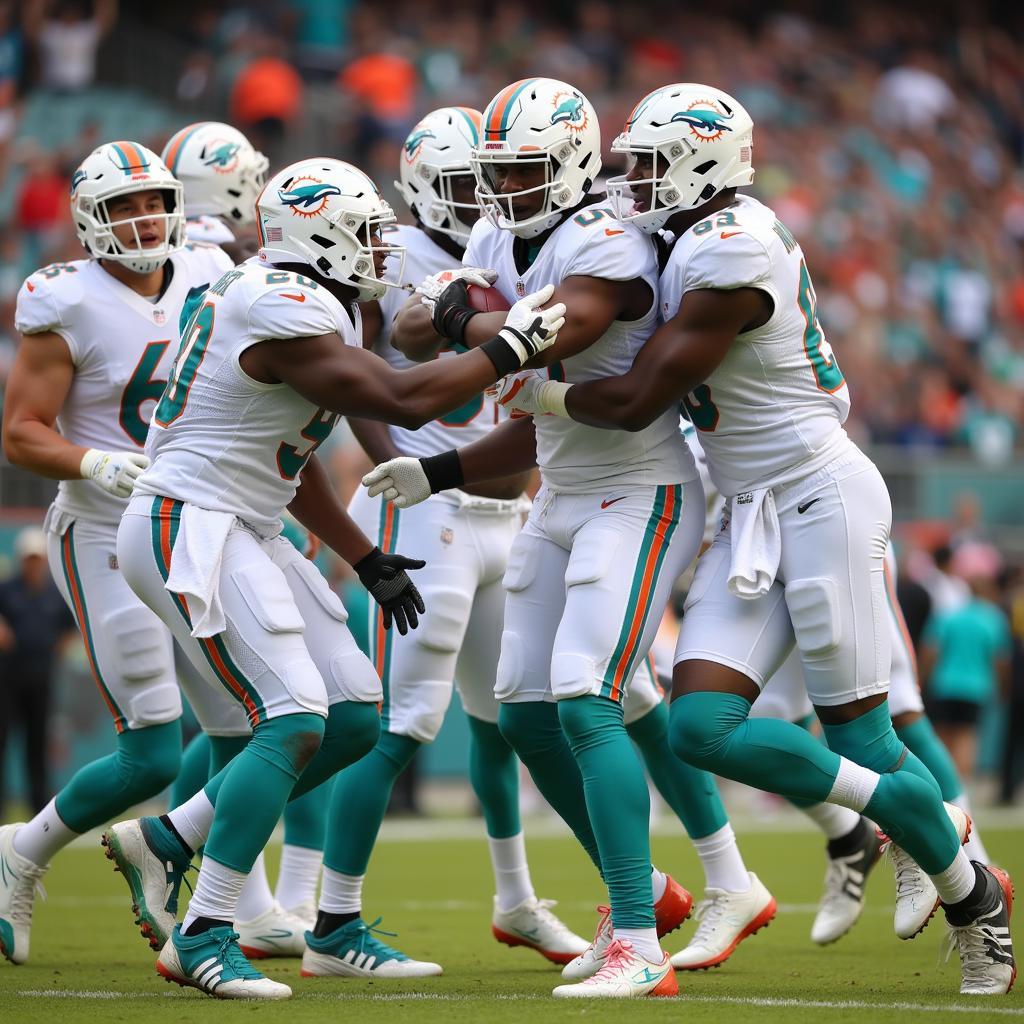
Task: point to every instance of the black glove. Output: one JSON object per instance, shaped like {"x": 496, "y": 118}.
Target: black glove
{"x": 384, "y": 576}
{"x": 452, "y": 312}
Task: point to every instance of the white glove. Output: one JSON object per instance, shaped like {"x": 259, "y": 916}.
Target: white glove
{"x": 431, "y": 287}
{"x": 532, "y": 394}
{"x": 115, "y": 472}
{"x": 529, "y": 330}
{"x": 401, "y": 481}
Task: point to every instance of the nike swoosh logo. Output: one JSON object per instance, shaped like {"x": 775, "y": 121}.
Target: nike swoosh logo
{"x": 614, "y": 231}
{"x": 605, "y": 504}
{"x": 298, "y": 298}
{"x": 801, "y": 509}
{"x": 729, "y": 234}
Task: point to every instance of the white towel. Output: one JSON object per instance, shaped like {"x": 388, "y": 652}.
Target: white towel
{"x": 195, "y": 566}
{"x": 756, "y": 544}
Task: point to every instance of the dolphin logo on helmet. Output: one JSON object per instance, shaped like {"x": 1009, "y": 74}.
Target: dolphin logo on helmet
{"x": 221, "y": 157}
{"x": 570, "y": 110}
{"x": 705, "y": 123}
{"x": 308, "y": 199}
{"x": 413, "y": 143}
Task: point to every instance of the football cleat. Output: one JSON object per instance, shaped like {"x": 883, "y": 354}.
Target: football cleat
{"x": 673, "y": 908}
{"x": 305, "y": 912}
{"x": 624, "y": 974}
{"x": 19, "y": 879}
{"x": 726, "y": 919}
{"x": 843, "y": 899}
{"x": 916, "y": 897}
{"x": 153, "y": 866}
{"x": 354, "y": 951}
{"x": 987, "y": 965}
{"x": 213, "y": 963}
{"x": 532, "y": 924}
{"x": 275, "y": 932}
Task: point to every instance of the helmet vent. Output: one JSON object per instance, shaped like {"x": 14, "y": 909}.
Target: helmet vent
{"x": 705, "y": 167}
{"x": 585, "y": 161}
{"x": 324, "y": 265}
{"x": 324, "y": 243}
{"x": 707, "y": 192}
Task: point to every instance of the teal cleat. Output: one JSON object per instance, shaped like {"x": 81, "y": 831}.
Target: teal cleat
{"x": 354, "y": 951}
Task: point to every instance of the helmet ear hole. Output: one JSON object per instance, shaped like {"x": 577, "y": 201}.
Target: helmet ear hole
{"x": 324, "y": 265}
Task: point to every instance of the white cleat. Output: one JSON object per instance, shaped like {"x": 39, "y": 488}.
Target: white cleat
{"x": 19, "y": 879}
{"x": 213, "y": 963}
{"x": 987, "y": 965}
{"x": 842, "y": 902}
{"x": 274, "y": 933}
{"x": 354, "y": 951}
{"x": 532, "y": 924}
{"x": 590, "y": 961}
{"x": 624, "y": 974}
{"x": 305, "y": 912}
{"x": 726, "y": 918}
{"x": 916, "y": 896}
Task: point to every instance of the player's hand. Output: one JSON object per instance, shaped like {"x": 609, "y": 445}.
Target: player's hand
{"x": 430, "y": 288}
{"x": 446, "y": 295}
{"x": 529, "y": 329}
{"x": 402, "y": 481}
{"x": 384, "y": 576}
{"x": 115, "y": 472}
{"x": 517, "y": 393}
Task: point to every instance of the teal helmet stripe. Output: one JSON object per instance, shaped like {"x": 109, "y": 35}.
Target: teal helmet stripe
{"x": 474, "y": 134}
{"x": 507, "y": 112}
{"x": 127, "y": 163}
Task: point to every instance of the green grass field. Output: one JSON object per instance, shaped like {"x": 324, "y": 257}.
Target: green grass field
{"x": 89, "y": 963}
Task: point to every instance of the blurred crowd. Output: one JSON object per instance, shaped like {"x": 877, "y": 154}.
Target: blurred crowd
{"x": 889, "y": 141}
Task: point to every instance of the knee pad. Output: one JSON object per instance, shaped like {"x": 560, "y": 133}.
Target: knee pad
{"x": 592, "y": 557}
{"x": 444, "y": 625}
{"x": 814, "y": 611}
{"x": 289, "y": 742}
{"x": 149, "y": 759}
{"x": 144, "y": 661}
{"x": 573, "y": 675}
{"x": 701, "y": 725}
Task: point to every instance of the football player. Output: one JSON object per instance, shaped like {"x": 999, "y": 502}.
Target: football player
{"x": 465, "y": 537}
{"x": 95, "y": 353}
{"x": 801, "y": 559}
{"x": 268, "y": 362}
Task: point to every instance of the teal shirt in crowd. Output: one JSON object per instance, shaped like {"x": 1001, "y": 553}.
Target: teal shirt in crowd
{"x": 968, "y": 642}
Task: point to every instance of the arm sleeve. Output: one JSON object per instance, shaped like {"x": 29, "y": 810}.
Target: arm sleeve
{"x": 739, "y": 261}
{"x": 290, "y": 312}
{"x": 38, "y": 311}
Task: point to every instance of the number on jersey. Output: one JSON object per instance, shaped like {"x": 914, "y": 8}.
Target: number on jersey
{"x": 142, "y": 387}
{"x": 827, "y": 374}
{"x": 290, "y": 459}
{"x": 194, "y": 339}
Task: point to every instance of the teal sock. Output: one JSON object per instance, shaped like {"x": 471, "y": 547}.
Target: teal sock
{"x": 251, "y": 792}
{"x": 494, "y": 775}
{"x": 145, "y": 763}
{"x": 360, "y": 799}
{"x": 194, "y": 772}
{"x": 534, "y": 732}
{"x": 617, "y": 801}
{"x": 713, "y": 731}
{"x": 305, "y": 818}
{"x": 690, "y": 792}
{"x": 920, "y": 738}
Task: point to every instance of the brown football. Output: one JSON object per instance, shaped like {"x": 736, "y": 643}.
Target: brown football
{"x": 487, "y": 300}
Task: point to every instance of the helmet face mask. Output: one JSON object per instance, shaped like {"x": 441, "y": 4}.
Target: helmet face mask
{"x": 538, "y": 121}
{"x": 685, "y": 144}
{"x": 328, "y": 215}
{"x": 111, "y": 172}
{"x": 221, "y": 172}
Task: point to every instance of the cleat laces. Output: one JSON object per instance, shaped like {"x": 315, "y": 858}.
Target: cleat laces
{"x": 369, "y": 945}
{"x": 908, "y": 875}
{"x": 231, "y": 955}
{"x": 708, "y": 912}
{"x": 23, "y": 896}
{"x": 543, "y": 911}
{"x": 617, "y": 956}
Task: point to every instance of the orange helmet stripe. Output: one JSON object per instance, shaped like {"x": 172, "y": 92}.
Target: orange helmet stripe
{"x": 172, "y": 151}
{"x": 132, "y": 156}
{"x": 500, "y": 107}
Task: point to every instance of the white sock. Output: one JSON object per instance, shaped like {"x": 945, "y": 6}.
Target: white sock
{"x": 341, "y": 894}
{"x": 193, "y": 819}
{"x": 39, "y": 839}
{"x": 854, "y": 786}
{"x": 723, "y": 865}
{"x": 511, "y": 871}
{"x": 297, "y": 876}
{"x": 256, "y": 898}
{"x": 645, "y": 942}
{"x": 974, "y": 847}
{"x": 217, "y": 891}
{"x": 833, "y": 820}
{"x": 659, "y": 883}
{"x": 957, "y": 881}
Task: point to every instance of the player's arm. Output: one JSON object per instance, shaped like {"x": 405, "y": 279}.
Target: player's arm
{"x": 374, "y": 437}
{"x": 678, "y": 357}
{"x": 413, "y": 332}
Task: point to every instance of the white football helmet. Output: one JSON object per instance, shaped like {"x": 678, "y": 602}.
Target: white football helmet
{"x": 117, "y": 169}
{"x": 437, "y": 150}
{"x": 221, "y": 172}
{"x": 699, "y": 140}
{"x": 537, "y": 120}
{"x": 325, "y": 213}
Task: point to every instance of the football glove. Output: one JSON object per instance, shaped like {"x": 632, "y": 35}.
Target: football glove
{"x": 402, "y": 481}
{"x": 384, "y": 576}
{"x": 531, "y": 394}
{"x": 529, "y": 330}
{"x": 115, "y": 472}
{"x": 446, "y": 295}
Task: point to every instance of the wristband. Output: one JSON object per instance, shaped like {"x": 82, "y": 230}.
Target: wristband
{"x": 443, "y": 471}
{"x": 505, "y": 358}
{"x": 550, "y": 398}
{"x": 455, "y": 322}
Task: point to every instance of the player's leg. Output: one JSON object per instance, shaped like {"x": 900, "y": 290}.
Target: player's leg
{"x": 736, "y": 903}
{"x": 130, "y": 656}
{"x": 852, "y": 843}
{"x": 519, "y": 918}
{"x": 302, "y": 853}
{"x": 623, "y": 564}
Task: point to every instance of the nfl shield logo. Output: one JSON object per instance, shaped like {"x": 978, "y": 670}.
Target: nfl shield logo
{"x": 447, "y": 536}
{"x": 112, "y": 562}
{"x": 520, "y": 289}
{"x": 159, "y": 316}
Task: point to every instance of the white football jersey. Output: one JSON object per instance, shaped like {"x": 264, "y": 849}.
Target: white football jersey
{"x": 122, "y": 346}
{"x": 773, "y": 409}
{"x": 220, "y": 439}
{"x": 208, "y": 229}
{"x": 575, "y": 458}
{"x": 461, "y": 426}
